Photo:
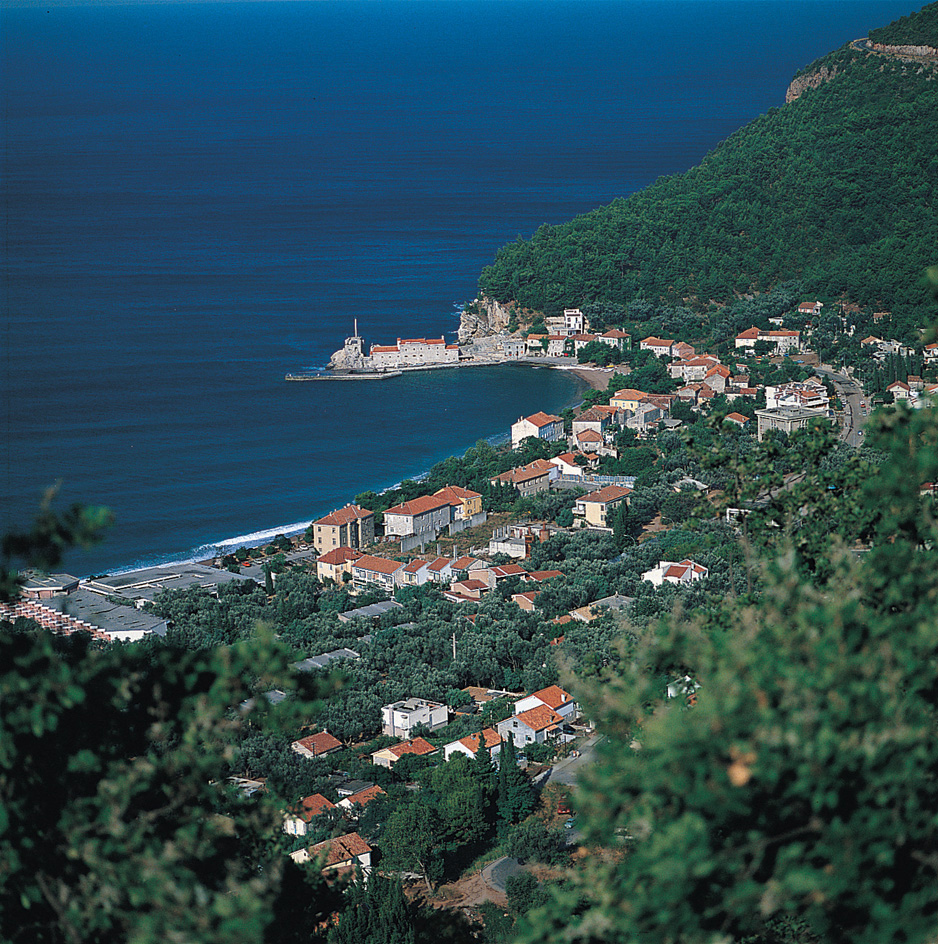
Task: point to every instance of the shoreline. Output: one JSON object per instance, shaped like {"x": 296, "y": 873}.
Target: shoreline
{"x": 594, "y": 378}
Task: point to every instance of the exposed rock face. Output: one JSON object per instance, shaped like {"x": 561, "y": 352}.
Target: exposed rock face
{"x": 906, "y": 50}
{"x": 811, "y": 80}
{"x": 349, "y": 357}
{"x": 486, "y": 317}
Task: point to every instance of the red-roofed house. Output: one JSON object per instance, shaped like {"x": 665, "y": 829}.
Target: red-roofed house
{"x": 628, "y": 399}
{"x": 469, "y": 745}
{"x": 465, "y": 503}
{"x": 376, "y": 571}
{"x": 333, "y": 564}
{"x": 900, "y": 390}
{"x": 595, "y": 509}
{"x": 317, "y": 745}
{"x": 350, "y": 526}
{"x": 660, "y": 346}
{"x": 341, "y": 854}
{"x": 389, "y": 756}
{"x": 587, "y": 440}
{"x": 415, "y": 574}
{"x": 736, "y": 418}
{"x": 682, "y": 574}
{"x": 296, "y": 821}
{"x": 529, "y": 479}
{"x": 425, "y": 516}
{"x": 525, "y": 601}
{"x": 553, "y": 697}
{"x": 539, "y": 425}
{"x": 361, "y": 799}
{"x": 534, "y": 726}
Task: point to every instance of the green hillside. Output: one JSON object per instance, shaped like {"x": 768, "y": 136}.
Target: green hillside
{"x": 916, "y": 29}
{"x": 838, "y": 189}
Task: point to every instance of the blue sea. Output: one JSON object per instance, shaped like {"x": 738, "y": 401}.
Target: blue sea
{"x": 198, "y": 198}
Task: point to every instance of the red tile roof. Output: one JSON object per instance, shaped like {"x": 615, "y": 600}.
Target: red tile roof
{"x": 608, "y": 494}
{"x": 312, "y": 806}
{"x": 320, "y": 743}
{"x": 491, "y": 739}
{"x": 341, "y": 849}
{"x": 364, "y": 797}
{"x": 542, "y": 419}
{"x": 540, "y": 718}
{"x": 539, "y": 575}
{"x": 553, "y": 696}
{"x": 456, "y": 494}
{"x": 345, "y": 515}
{"x": 418, "y": 506}
{"x": 341, "y": 555}
{"x": 379, "y": 565}
{"x": 419, "y": 746}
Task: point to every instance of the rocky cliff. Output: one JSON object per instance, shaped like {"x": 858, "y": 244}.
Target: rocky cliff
{"x": 917, "y": 51}
{"x": 810, "y": 80}
{"x": 482, "y": 319}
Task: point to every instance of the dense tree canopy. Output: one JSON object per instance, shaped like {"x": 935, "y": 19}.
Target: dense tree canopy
{"x": 837, "y": 189}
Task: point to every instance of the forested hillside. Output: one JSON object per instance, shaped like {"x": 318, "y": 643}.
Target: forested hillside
{"x": 916, "y": 29}
{"x": 838, "y": 189}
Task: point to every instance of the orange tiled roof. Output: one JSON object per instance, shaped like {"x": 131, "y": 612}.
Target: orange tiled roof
{"x": 312, "y": 806}
{"x": 419, "y": 746}
{"x": 379, "y": 565}
{"x": 364, "y": 797}
{"x": 417, "y": 506}
{"x": 540, "y": 419}
{"x": 340, "y": 555}
{"x": 553, "y": 696}
{"x": 345, "y": 515}
{"x": 341, "y": 849}
{"x": 607, "y": 494}
{"x": 320, "y": 743}
{"x": 490, "y": 735}
{"x": 540, "y": 718}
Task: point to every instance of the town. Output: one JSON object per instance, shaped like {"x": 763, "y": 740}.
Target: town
{"x": 451, "y": 602}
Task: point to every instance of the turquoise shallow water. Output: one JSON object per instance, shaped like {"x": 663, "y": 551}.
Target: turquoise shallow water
{"x": 199, "y": 198}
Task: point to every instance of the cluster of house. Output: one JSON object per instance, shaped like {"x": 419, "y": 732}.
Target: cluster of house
{"x": 416, "y": 522}
{"x": 566, "y": 336}
{"x": 541, "y": 717}
{"x": 914, "y": 391}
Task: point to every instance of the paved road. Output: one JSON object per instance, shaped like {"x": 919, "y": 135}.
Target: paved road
{"x": 565, "y": 771}
{"x": 855, "y": 406}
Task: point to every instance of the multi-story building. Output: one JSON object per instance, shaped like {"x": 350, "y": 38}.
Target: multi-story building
{"x": 350, "y": 526}
{"x": 595, "y": 510}
{"x": 401, "y": 717}
{"x": 376, "y": 571}
{"x": 424, "y": 516}
{"x": 786, "y": 419}
{"x": 539, "y": 425}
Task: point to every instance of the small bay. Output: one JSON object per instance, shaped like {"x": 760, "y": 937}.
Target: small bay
{"x": 200, "y": 197}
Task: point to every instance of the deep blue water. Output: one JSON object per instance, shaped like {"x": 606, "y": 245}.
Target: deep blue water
{"x": 198, "y": 198}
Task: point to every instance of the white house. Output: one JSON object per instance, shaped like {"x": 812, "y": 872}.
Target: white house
{"x": 343, "y": 853}
{"x": 539, "y": 425}
{"x": 534, "y": 726}
{"x": 401, "y": 717}
{"x": 514, "y": 347}
{"x": 553, "y": 697}
{"x": 377, "y": 571}
{"x": 469, "y": 745}
{"x": 682, "y": 574}
{"x": 660, "y": 346}
{"x": 296, "y": 821}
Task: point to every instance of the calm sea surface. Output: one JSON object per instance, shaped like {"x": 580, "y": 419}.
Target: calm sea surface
{"x": 199, "y": 198}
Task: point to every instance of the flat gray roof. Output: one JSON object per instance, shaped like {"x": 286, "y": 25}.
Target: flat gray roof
{"x": 372, "y": 611}
{"x": 113, "y": 618}
{"x": 321, "y": 661}
{"x": 147, "y": 583}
